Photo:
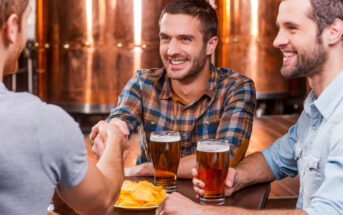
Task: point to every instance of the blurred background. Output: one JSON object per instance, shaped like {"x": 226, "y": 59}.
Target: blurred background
{"x": 81, "y": 53}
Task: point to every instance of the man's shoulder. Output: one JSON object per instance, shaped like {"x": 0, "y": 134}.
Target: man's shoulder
{"x": 230, "y": 78}
{"x": 227, "y": 74}
{"x": 30, "y": 107}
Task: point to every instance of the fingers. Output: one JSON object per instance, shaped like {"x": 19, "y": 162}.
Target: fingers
{"x": 198, "y": 183}
{"x": 121, "y": 125}
{"x": 94, "y": 132}
{"x": 98, "y": 147}
{"x": 198, "y": 187}
{"x": 195, "y": 172}
{"x": 230, "y": 178}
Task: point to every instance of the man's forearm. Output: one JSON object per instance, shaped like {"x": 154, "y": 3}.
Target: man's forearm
{"x": 252, "y": 170}
{"x": 186, "y": 165}
{"x": 111, "y": 166}
{"x": 233, "y": 210}
{"x": 146, "y": 169}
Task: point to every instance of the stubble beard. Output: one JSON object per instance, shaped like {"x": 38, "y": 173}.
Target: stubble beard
{"x": 308, "y": 65}
{"x": 199, "y": 62}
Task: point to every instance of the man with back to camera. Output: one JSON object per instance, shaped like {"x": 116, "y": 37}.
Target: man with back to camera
{"x": 189, "y": 94}
{"x": 41, "y": 146}
{"x": 310, "y": 38}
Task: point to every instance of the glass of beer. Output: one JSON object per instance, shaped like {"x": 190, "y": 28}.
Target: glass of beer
{"x": 213, "y": 165}
{"x": 165, "y": 152}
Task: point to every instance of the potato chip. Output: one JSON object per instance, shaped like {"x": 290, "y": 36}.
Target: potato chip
{"x": 141, "y": 194}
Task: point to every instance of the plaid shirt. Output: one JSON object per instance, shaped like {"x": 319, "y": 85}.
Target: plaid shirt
{"x": 224, "y": 111}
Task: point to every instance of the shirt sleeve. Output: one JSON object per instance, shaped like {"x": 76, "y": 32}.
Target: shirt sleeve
{"x": 280, "y": 155}
{"x": 328, "y": 199}
{"x": 236, "y": 121}
{"x": 129, "y": 107}
{"x": 63, "y": 152}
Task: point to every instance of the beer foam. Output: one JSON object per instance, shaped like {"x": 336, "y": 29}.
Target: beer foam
{"x": 165, "y": 137}
{"x": 213, "y": 146}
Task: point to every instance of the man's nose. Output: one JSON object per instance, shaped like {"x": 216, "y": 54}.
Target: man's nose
{"x": 173, "y": 48}
{"x": 280, "y": 40}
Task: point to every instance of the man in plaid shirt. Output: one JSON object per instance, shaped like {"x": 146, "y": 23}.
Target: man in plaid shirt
{"x": 189, "y": 94}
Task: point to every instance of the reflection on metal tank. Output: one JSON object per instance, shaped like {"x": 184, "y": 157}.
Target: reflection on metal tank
{"x": 89, "y": 49}
{"x": 247, "y": 30}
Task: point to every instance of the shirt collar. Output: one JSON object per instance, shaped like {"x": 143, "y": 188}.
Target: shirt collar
{"x": 330, "y": 97}
{"x": 210, "y": 89}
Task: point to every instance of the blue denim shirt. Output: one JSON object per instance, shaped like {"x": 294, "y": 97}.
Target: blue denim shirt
{"x": 313, "y": 148}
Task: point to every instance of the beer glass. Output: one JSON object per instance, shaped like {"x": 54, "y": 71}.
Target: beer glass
{"x": 213, "y": 165}
{"x": 165, "y": 152}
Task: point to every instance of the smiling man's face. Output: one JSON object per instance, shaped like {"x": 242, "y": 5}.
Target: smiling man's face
{"x": 303, "y": 51}
{"x": 182, "y": 49}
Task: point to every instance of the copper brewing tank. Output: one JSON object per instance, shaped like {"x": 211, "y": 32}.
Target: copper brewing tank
{"x": 89, "y": 49}
{"x": 246, "y": 31}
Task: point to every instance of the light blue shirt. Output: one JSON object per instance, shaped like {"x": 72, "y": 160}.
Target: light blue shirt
{"x": 313, "y": 148}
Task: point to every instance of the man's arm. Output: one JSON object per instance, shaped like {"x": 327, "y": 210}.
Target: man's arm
{"x": 146, "y": 169}
{"x": 253, "y": 169}
{"x": 177, "y": 204}
{"x": 236, "y": 120}
{"x": 101, "y": 185}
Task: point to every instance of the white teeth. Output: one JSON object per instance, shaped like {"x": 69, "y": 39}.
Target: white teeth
{"x": 288, "y": 54}
{"x": 178, "y": 61}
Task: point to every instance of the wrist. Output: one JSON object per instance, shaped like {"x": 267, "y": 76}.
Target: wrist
{"x": 147, "y": 169}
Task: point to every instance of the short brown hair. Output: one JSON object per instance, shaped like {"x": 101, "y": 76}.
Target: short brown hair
{"x": 324, "y": 12}
{"x": 8, "y": 7}
{"x": 196, "y": 8}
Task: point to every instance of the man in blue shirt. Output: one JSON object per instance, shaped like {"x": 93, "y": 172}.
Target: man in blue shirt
{"x": 310, "y": 38}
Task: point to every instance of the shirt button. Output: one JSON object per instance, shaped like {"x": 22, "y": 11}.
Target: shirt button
{"x": 314, "y": 128}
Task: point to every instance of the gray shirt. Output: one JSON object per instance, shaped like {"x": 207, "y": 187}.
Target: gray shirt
{"x": 313, "y": 148}
{"x": 40, "y": 147}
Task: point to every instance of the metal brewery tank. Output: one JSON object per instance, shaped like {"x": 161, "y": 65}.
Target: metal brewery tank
{"x": 89, "y": 49}
{"x": 247, "y": 30}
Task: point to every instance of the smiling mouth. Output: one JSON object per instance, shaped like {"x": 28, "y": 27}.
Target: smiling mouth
{"x": 177, "y": 62}
{"x": 288, "y": 56}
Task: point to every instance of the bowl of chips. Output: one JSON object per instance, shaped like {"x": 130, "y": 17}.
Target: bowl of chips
{"x": 140, "y": 195}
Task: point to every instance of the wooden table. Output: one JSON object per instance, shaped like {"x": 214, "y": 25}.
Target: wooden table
{"x": 253, "y": 197}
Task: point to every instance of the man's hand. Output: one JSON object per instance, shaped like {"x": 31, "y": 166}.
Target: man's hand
{"x": 98, "y": 134}
{"x": 230, "y": 182}
{"x": 176, "y": 203}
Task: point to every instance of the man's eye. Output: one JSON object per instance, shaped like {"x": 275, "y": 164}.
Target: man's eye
{"x": 164, "y": 38}
{"x": 185, "y": 39}
{"x": 292, "y": 28}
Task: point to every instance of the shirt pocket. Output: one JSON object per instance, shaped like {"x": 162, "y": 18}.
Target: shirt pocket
{"x": 313, "y": 178}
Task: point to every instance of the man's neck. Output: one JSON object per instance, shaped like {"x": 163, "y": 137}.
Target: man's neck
{"x": 192, "y": 90}
{"x": 331, "y": 70}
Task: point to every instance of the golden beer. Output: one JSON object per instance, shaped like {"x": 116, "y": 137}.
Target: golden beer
{"x": 165, "y": 152}
{"x": 213, "y": 165}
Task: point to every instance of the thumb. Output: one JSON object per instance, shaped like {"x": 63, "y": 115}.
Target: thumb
{"x": 230, "y": 178}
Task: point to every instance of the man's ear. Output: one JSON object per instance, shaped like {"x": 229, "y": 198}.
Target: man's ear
{"x": 211, "y": 45}
{"x": 335, "y": 32}
{"x": 10, "y": 29}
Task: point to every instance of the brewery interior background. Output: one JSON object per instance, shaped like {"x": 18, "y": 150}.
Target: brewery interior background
{"x": 81, "y": 53}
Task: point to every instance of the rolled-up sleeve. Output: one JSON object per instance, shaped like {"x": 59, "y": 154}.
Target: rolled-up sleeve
{"x": 129, "y": 106}
{"x": 280, "y": 155}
